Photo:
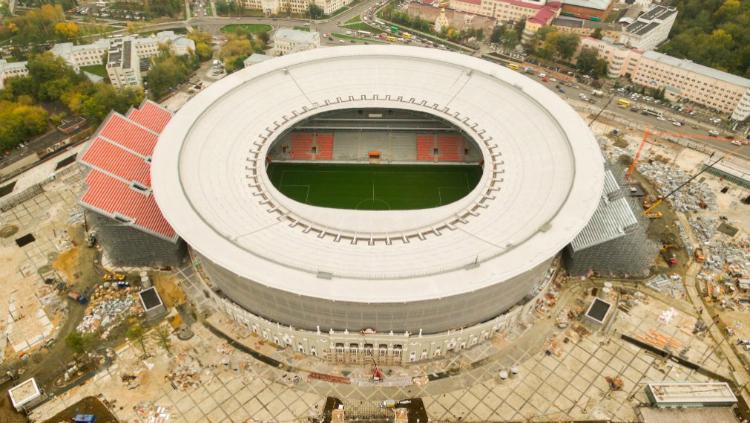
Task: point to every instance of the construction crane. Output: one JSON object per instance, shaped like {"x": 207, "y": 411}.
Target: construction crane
{"x": 647, "y": 133}
{"x": 648, "y": 212}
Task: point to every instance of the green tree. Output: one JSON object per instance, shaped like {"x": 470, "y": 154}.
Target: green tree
{"x": 597, "y": 34}
{"x": 202, "y": 42}
{"x": 586, "y": 61}
{"x": 162, "y": 337}
{"x": 497, "y": 34}
{"x": 80, "y": 343}
{"x": 137, "y": 335}
{"x": 104, "y": 98}
{"x": 314, "y": 11}
{"x": 566, "y": 45}
{"x": 50, "y": 76}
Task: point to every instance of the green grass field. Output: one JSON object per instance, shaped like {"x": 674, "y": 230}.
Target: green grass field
{"x": 374, "y": 187}
{"x": 248, "y": 28}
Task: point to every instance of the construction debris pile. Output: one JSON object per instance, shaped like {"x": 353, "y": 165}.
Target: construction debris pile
{"x": 149, "y": 412}
{"x": 109, "y": 305}
{"x": 704, "y": 227}
{"x": 726, "y": 272}
{"x": 670, "y": 285}
{"x": 692, "y": 197}
{"x": 186, "y": 372}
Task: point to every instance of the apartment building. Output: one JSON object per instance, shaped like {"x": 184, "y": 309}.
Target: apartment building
{"x": 649, "y": 29}
{"x": 123, "y": 65}
{"x": 585, "y": 28}
{"x": 595, "y": 10}
{"x": 287, "y": 40}
{"x": 684, "y": 79}
{"x": 504, "y": 10}
{"x": 78, "y": 56}
{"x": 11, "y": 69}
{"x": 621, "y": 61}
{"x": 274, "y": 7}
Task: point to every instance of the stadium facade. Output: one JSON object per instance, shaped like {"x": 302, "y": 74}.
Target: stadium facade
{"x": 314, "y": 270}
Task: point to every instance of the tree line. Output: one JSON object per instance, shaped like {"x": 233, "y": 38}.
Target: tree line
{"x": 52, "y": 81}
{"x": 714, "y": 33}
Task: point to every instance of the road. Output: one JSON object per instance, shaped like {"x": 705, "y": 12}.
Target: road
{"x": 637, "y": 120}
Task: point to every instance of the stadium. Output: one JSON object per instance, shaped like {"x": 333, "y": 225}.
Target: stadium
{"x": 376, "y": 189}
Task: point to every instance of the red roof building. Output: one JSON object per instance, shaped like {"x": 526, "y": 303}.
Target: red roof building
{"x": 119, "y": 183}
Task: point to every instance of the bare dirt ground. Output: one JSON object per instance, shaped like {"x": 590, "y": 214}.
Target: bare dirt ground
{"x": 169, "y": 290}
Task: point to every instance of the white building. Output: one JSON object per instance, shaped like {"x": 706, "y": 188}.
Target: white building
{"x": 680, "y": 78}
{"x": 123, "y": 65}
{"x": 505, "y": 10}
{"x": 287, "y": 40}
{"x": 78, "y": 56}
{"x": 178, "y": 44}
{"x": 11, "y": 69}
{"x": 684, "y": 79}
{"x": 274, "y": 7}
{"x": 621, "y": 61}
{"x": 649, "y": 29}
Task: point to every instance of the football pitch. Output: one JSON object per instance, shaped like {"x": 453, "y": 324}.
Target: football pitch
{"x": 374, "y": 187}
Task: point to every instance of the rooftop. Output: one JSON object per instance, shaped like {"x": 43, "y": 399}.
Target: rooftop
{"x": 590, "y": 4}
{"x": 611, "y": 220}
{"x": 296, "y": 36}
{"x": 705, "y": 393}
{"x": 691, "y": 66}
{"x": 150, "y": 298}
{"x": 119, "y": 183}
{"x": 538, "y": 188}
{"x": 658, "y": 12}
{"x": 24, "y": 393}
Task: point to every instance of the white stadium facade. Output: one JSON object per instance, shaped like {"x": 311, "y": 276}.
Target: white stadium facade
{"x": 398, "y": 282}
{"x": 429, "y": 271}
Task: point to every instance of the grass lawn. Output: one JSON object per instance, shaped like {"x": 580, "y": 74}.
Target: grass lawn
{"x": 361, "y": 26}
{"x": 99, "y": 70}
{"x": 353, "y": 20}
{"x": 250, "y": 28}
{"x": 374, "y": 187}
{"x": 357, "y": 39}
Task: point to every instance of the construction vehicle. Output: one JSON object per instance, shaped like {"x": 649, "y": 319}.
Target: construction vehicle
{"x": 80, "y": 298}
{"x": 90, "y": 239}
{"x": 653, "y": 214}
{"x": 699, "y": 256}
{"x": 669, "y": 255}
{"x": 110, "y": 277}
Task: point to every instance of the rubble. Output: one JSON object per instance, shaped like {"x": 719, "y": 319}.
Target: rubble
{"x": 671, "y": 285}
{"x": 108, "y": 307}
{"x": 692, "y": 197}
{"x": 186, "y": 373}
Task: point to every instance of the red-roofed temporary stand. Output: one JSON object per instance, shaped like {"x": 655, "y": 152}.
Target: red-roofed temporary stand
{"x": 118, "y": 185}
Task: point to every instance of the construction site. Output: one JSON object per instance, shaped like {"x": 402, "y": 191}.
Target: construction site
{"x": 643, "y": 317}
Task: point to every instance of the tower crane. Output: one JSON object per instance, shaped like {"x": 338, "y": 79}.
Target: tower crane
{"x": 646, "y": 134}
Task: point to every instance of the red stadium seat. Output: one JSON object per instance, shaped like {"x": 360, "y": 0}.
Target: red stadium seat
{"x": 302, "y": 143}
{"x": 425, "y": 146}
{"x": 324, "y": 142}
{"x": 450, "y": 147}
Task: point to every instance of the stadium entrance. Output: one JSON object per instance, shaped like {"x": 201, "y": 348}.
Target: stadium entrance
{"x": 374, "y": 159}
